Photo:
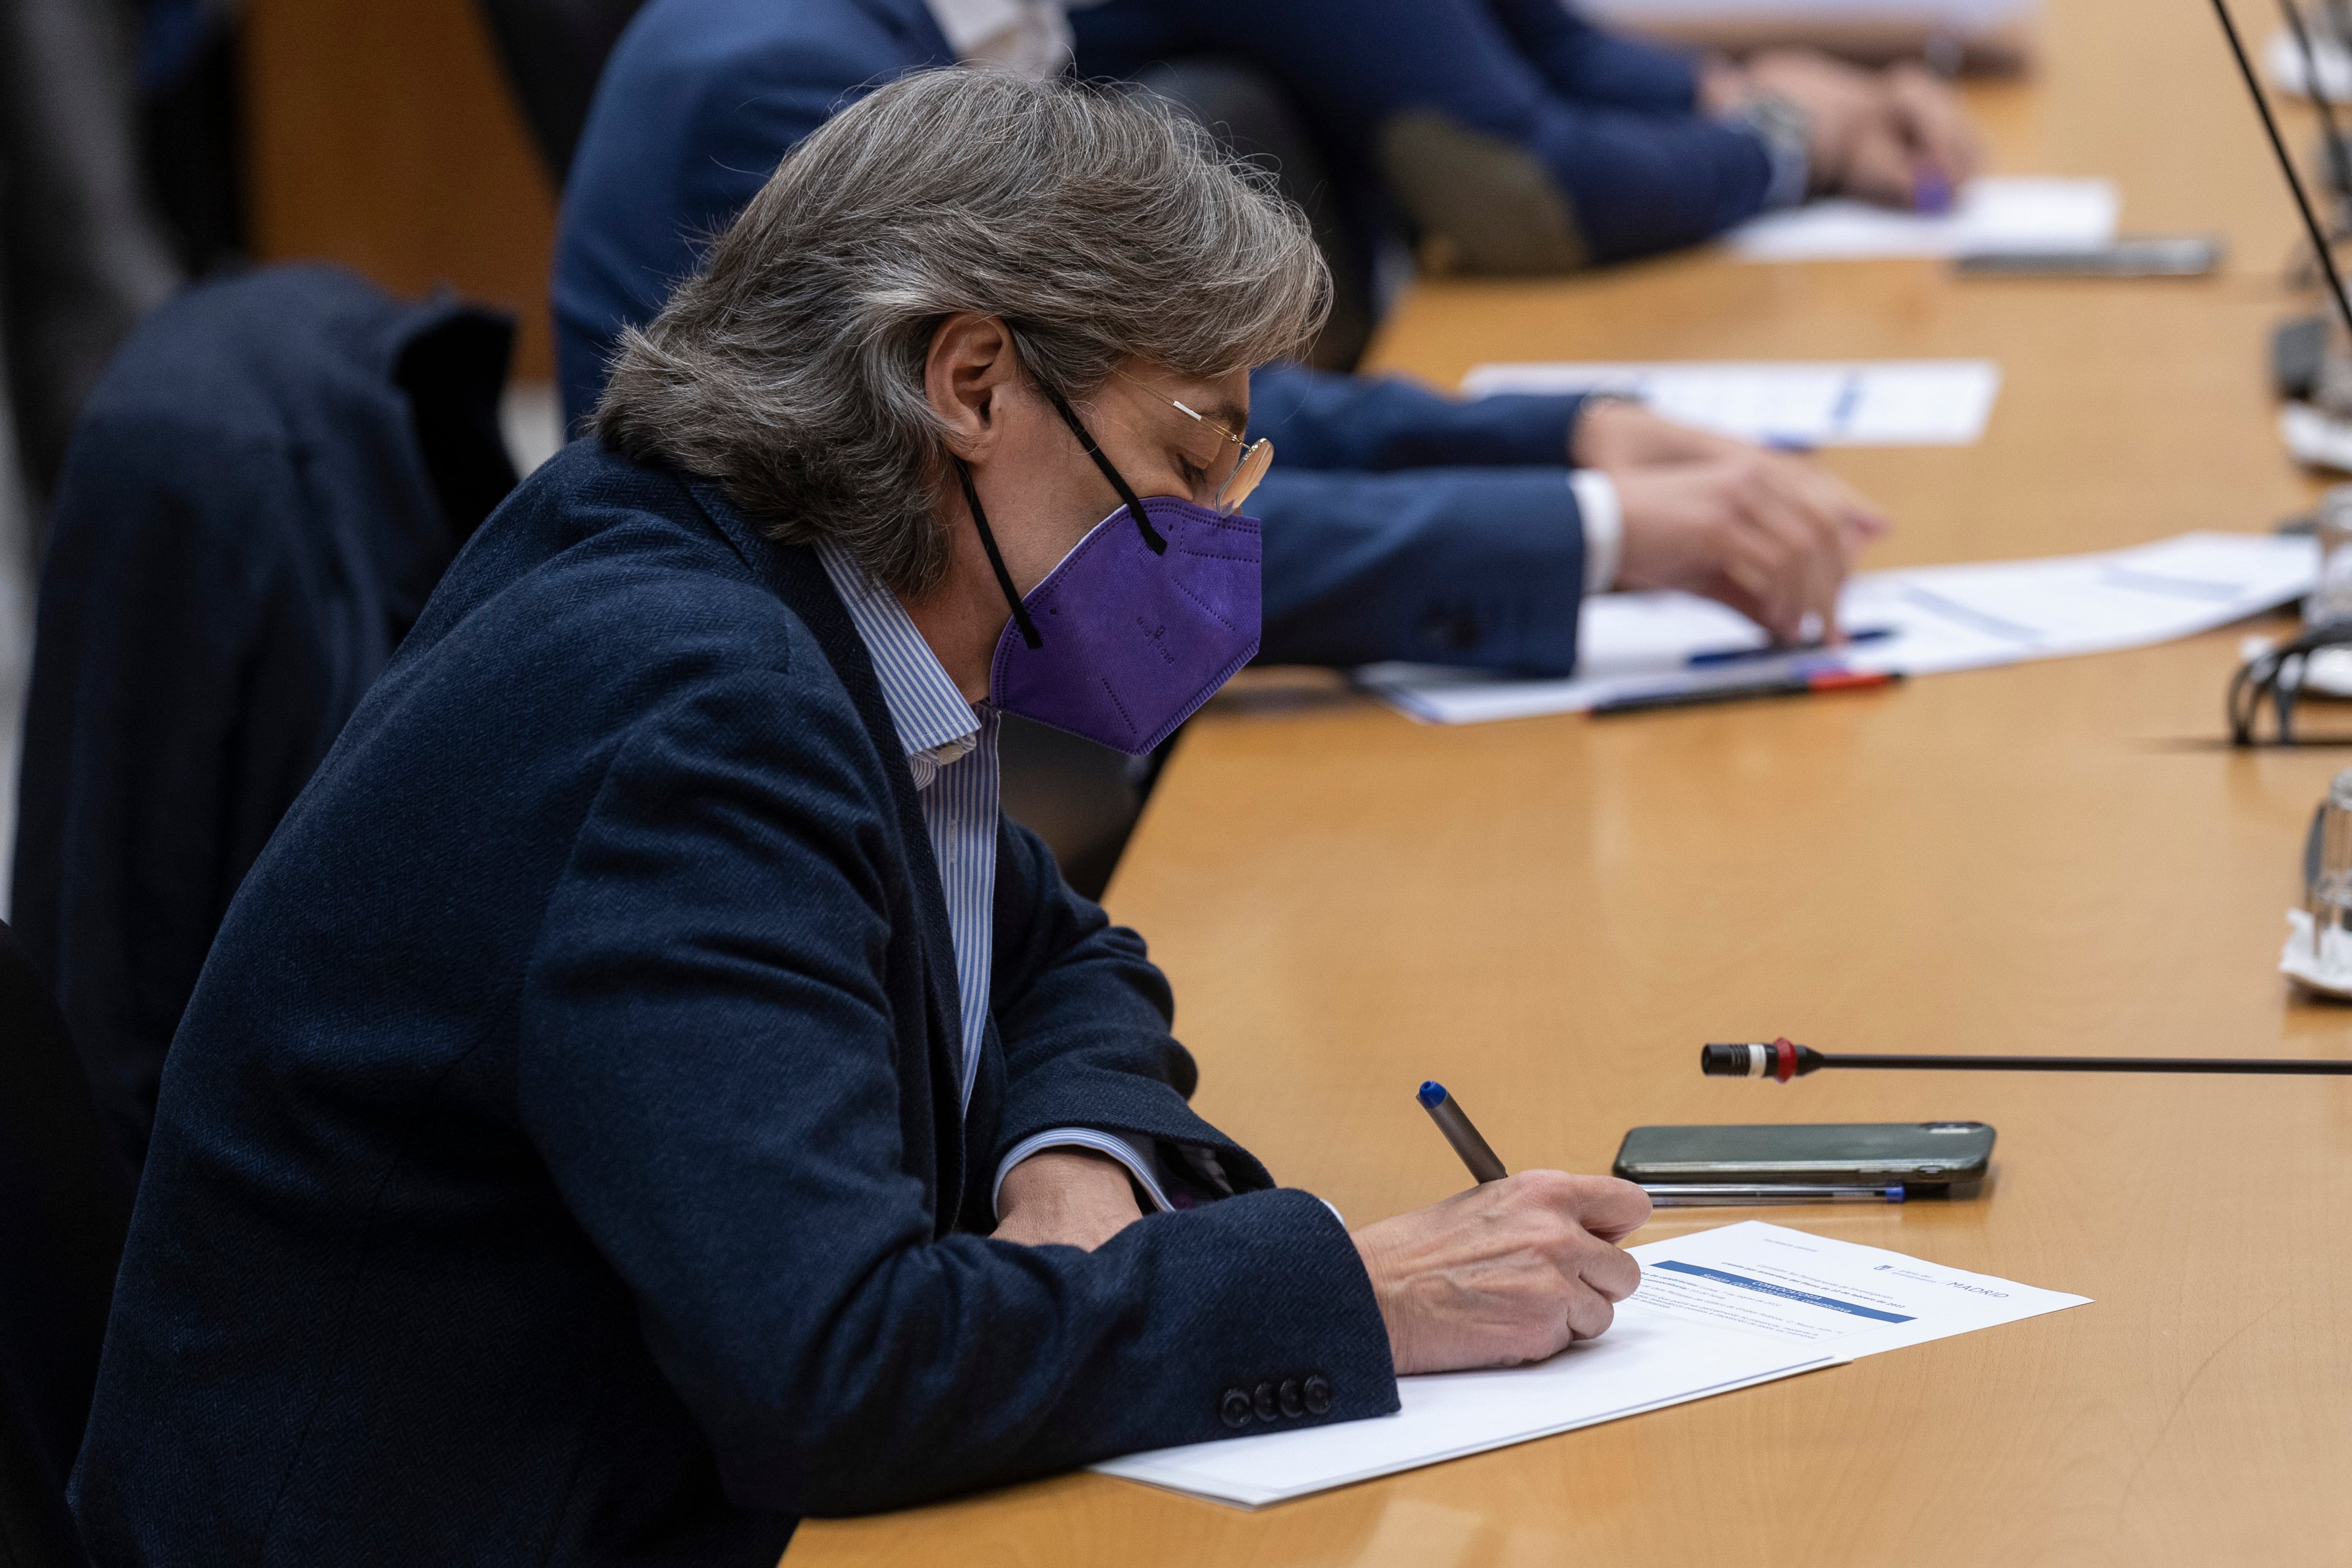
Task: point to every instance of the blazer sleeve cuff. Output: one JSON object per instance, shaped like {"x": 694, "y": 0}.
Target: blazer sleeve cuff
{"x": 1298, "y": 1337}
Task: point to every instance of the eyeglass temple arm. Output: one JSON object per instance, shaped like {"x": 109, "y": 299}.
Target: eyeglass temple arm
{"x": 1134, "y": 507}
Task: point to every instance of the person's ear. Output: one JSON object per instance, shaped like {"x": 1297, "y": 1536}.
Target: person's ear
{"x": 970, "y": 365}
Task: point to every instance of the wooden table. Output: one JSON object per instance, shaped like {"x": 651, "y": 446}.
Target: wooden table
{"x": 1551, "y": 915}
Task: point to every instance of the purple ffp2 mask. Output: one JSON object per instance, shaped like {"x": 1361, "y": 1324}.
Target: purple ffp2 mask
{"x": 1128, "y": 640}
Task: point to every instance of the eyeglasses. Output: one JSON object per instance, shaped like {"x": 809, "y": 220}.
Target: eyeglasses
{"x": 1256, "y": 457}
{"x": 2275, "y": 677}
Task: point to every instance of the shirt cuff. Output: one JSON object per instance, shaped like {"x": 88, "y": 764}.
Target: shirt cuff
{"x": 1781, "y": 128}
{"x": 1603, "y": 517}
{"x": 1141, "y": 1163}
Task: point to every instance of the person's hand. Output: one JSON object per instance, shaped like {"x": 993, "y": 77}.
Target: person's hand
{"x": 1768, "y": 533}
{"x": 1507, "y": 1273}
{"x": 1614, "y": 437}
{"x": 1065, "y": 1197}
{"x": 1899, "y": 137}
{"x": 1935, "y": 123}
{"x": 1850, "y": 143}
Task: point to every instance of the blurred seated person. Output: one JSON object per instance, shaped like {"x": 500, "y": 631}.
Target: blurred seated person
{"x": 1399, "y": 524}
{"x": 1515, "y": 137}
{"x": 645, "y": 1092}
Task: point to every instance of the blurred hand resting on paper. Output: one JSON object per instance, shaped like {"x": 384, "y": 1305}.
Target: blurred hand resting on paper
{"x": 1508, "y": 1272}
{"x": 1771, "y": 534}
{"x": 1065, "y": 1197}
{"x": 1899, "y": 137}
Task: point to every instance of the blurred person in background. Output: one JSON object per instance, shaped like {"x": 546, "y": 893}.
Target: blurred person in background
{"x": 1400, "y": 523}
{"x": 1513, "y": 136}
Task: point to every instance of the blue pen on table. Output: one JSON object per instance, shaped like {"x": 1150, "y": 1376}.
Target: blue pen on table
{"x": 1713, "y": 657}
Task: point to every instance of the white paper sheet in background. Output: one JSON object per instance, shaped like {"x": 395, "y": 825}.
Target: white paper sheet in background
{"x": 1826, "y": 402}
{"x": 2315, "y": 436}
{"x": 1943, "y": 618}
{"x": 2282, "y": 63}
{"x": 1717, "y": 1311}
{"x": 1993, "y": 211}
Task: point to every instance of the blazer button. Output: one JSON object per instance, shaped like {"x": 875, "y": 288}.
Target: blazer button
{"x": 1318, "y": 1390}
{"x": 1234, "y": 1409}
{"x": 1267, "y": 1407}
{"x": 1292, "y": 1405}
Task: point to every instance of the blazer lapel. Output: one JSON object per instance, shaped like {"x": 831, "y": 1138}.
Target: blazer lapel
{"x": 793, "y": 571}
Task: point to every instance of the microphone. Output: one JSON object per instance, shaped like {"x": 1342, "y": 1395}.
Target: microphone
{"x": 1781, "y": 1060}
{"x": 2287, "y": 165}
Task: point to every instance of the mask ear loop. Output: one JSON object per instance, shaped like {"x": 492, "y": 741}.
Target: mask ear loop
{"x": 996, "y": 561}
{"x": 1134, "y": 507}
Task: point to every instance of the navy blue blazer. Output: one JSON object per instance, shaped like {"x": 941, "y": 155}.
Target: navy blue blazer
{"x": 559, "y": 1160}
{"x": 1611, "y": 119}
{"x": 1398, "y": 524}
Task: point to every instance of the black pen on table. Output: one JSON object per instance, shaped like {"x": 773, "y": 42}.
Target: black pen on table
{"x": 1485, "y": 1166}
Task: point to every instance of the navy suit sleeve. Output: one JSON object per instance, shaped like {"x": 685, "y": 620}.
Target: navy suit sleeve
{"x": 700, "y": 100}
{"x": 1636, "y": 181}
{"x": 1319, "y": 420}
{"x": 1597, "y": 67}
{"x": 1482, "y": 568}
{"x": 1082, "y": 1016}
{"x": 707, "y": 1066}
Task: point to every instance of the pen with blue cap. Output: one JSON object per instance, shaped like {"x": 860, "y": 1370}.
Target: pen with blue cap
{"x": 1443, "y": 1109}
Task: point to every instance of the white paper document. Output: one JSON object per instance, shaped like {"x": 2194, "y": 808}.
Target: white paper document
{"x": 2282, "y": 63}
{"x": 1717, "y": 1311}
{"x": 1805, "y": 1289}
{"x": 1991, "y": 213}
{"x": 1928, "y": 620}
{"x": 1867, "y": 402}
{"x": 2316, "y": 438}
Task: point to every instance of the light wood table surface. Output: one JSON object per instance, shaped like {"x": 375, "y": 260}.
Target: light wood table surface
{"x": 1551, "y": 915}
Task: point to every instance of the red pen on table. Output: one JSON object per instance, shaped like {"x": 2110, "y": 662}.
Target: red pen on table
{"x": 1811, "y": 683}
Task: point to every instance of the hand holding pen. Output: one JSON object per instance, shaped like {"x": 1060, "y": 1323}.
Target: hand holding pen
{"x": 1510, "y": 1271}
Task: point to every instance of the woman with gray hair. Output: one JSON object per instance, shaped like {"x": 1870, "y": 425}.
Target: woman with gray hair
{"x": 646, "y": 1091}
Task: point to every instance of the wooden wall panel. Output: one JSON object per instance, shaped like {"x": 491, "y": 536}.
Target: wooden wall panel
{"x": 385, "y": 137}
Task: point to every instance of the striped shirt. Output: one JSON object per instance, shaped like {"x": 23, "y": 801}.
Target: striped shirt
{"x": 951, "y": 747}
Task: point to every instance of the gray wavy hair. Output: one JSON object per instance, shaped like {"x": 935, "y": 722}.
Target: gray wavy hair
{"x": 1096, "y": 224}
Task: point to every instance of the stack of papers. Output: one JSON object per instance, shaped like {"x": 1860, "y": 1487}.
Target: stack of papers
{"x": 1935, "y": 619}
{"x": 1867, "y": 402}
{"x": 1716, "y": 1310}
{"x": 1993, "y": 213}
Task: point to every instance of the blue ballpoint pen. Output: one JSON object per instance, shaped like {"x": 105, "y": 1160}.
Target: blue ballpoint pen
{"x": 1713, "y": 657}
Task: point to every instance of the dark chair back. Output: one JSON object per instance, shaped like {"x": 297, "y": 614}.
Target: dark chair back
{"x": 261, "y": 493}
{"x": 553, "y": 50}
{"x": 66, "y": 1209}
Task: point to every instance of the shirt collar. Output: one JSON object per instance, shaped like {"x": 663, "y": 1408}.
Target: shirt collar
{"x": 936, "y": 726}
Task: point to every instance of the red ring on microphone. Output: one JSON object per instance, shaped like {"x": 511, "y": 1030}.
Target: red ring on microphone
{"x": 1784, "y": 1059}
